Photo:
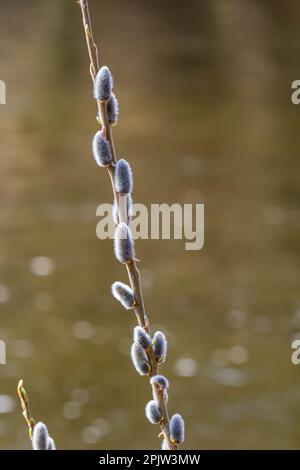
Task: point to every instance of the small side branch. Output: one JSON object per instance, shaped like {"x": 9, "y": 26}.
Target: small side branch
{"x": 25, "y": 407}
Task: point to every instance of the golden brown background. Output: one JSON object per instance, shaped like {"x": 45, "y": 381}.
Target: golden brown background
{"x": 206, "y": 117}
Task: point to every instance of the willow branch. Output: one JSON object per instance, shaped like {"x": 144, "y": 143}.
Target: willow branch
{"x": 132, "y": 270}
{"x": 25, "y": 407}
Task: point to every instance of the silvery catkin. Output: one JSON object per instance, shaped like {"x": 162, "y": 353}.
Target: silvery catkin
{"x": 141, "y": 337}
{"x": 101, "y": 150}
{"x": 123, "y": 294}
{"x": 160, "y": 381}
{"x": 177, "y": 429}
{"x": 160, "y": 347}
{"x": 139, "y": 359}
{"x": 152, "y": 412}
{"x": 123, "y": 177}
{"x": 40, "y": 437}
{"x": 123, "y": 244}
{"x": 112, "y": 109}
{"x": 103, "y": 84}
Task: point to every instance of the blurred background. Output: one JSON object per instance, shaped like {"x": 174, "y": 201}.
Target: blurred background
{"x": 206, "y": 117}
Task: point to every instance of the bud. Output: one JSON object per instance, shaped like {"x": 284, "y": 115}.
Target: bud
{"x": 101, "y": 150}
{"x": 124, "y": 245}
{"x": 123, "y": 177}
{"x": 112, "y": 108}
{"x": 141, "y": 337}
{"x": 123, "y": 294}
{"x": 51, "y": 444}
{"x": 177, "y": 429}
{"x": 103, "y": 84}
{"x": 40, "y": 437}
{"x": 140, "y": 359}
{"x": 152, "y": 412}
{"x": 160, "y": 381}
{"x": 160, "y": 347}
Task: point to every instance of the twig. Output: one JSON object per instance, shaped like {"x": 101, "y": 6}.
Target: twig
{"x": 38, "y": 432}
{"x": 25, "y": 407}
{"x": 132, "y": 270}
{"x": 92, "y": 48}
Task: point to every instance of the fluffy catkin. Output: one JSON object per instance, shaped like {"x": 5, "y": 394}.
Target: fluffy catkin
{"x": 103, "y": 84}
{"x": 123, "y": 177}
{"x": 101, "y": 150}
{"x": 123, "y": 294}
{"x": 123, "y": 244}
{"x": 140, "y": 359}
{"x": 160, "y": 347}
{"x": 141, "y": 337}
{"x": 40, "y": 437}
{"x": 177, "y": 429}
{"x": 112, "y": 110}
{"x": 160, "y": 381}
{"x": 152, "y": 412}
{"x": 51, "y": 444}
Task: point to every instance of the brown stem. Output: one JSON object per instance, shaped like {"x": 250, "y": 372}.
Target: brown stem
{"x": 91, "y": 45}
{"x": 161, "y": 399}
{"x": 135, "y": 282}
{"x": 111, "y": 172}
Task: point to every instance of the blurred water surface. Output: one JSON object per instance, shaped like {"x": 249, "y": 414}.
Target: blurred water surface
{"x": 206, "y": 117}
